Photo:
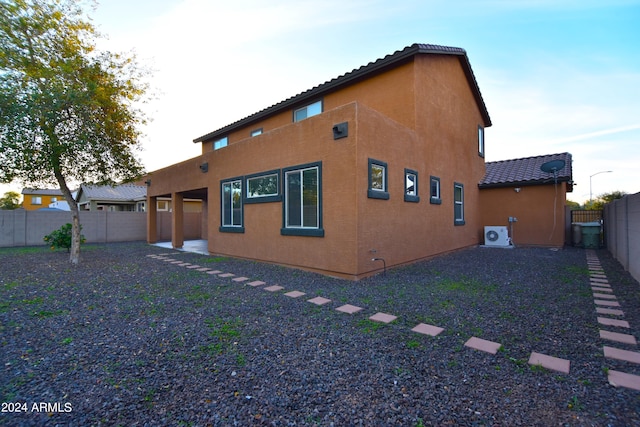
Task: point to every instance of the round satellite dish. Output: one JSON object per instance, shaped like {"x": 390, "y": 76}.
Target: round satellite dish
{"x": 552, "y": 166}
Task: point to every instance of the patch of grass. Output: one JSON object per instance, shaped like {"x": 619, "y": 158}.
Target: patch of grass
{"x": 223, "y": 334}
{"x": 369, "y": 326}
{"x": 197, "y": 296}
{"x": 67, "y": 341}
{"x": 43, "y": 314}
{"x": 213, "y": 260}
{"x": 413, "y": 344}
{"x": 574, "y": 404}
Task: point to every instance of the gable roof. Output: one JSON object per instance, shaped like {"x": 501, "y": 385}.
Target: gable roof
{"x": 366, "y": 71}
{"x": 42, "y": 192}
{"x": 525, "y": 171}
{"x": 118, "y": 193}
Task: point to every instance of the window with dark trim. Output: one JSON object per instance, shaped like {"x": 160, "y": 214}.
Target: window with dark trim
{"x": 378, "y": 182}
{"x": 263, "y": 187}
{"x": 411, "y": 186}
{"x": 302, "y": 207}
{"x": 480, "y": 141}
{"x": 434, "y": 190}
{"x": 458, "y": 203}
{"x": 307, "y": 111}
{"x": 220, "y": 143}
{"x": 256, "y": 132}
{"x": 231, "y": 206}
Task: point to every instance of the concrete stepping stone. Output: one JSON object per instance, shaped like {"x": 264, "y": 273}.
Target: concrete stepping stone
{"x": 193, "y": 266}
{"x": 294, "y": 294}
{"x": 226, "y": 275}
{"x": 319, "y": 301}
{"x": 618, "y": 337}
{"x": 620, "y": 379}
{"x": 619, "y": 354}
{"x": 256, "y": 283}
{"x": 240, "y": 279}
{"x": 349, "y": 309}
{"x": 613, "y": 311}
{"x": 607, "y": 303}
{"x": 214, "y": 272}
{"x": 383, "y": 317}
{"x": 425, "y": 329}
{"x": 613, "y": 322}
{"x": 184, "y": 264}
{"x": 483, "y": 345}
{"x": 604, "y": 296}
{"x": 204, "y": 269}
{"x": 602, "y": 285}
{"x": 594, "y": 289}
{"x": 274, "y": 288}
{"x": 550, "y": 362}
{"x": 176, "y": 262}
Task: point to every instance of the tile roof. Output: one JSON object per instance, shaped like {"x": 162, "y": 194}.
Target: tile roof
{"x": 42, "y": 192}
{"x": 525, "y": 171}
{"x": 120, "y": 193}
{"x": 364, "y": 71}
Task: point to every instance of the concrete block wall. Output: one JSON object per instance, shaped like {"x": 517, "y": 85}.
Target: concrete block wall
{"x": 27, "y": 228}
{"x": 622, "y": 231}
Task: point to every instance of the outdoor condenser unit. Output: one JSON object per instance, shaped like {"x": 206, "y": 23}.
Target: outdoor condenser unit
{"x": 496, "y": 236}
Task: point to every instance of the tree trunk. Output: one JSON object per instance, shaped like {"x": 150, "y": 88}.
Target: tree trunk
{"x": 74, "y": 251}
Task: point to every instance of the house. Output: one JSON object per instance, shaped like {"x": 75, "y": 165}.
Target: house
{"x": 40, "y": 198}
{"x": 124, "y": 197}
{"x": 533, "y": 191}
{"x": 379, "y": 166}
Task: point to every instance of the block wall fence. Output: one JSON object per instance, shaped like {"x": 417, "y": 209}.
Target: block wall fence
{"x": 622, "y": 232}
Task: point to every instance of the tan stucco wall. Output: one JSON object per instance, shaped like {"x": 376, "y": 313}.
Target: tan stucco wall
{"x": 533, "y": 206}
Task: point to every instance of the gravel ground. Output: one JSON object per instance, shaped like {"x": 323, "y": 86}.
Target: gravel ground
{"x": 126, "y": 339}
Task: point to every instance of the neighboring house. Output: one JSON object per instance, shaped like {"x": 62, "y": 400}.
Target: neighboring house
{"x": 379, "y": 166}
{"x": 39, "y": 198}
{"x": 124, "y": 198}
{"x": 520, "y": 189}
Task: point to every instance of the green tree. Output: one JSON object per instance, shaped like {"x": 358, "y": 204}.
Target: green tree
{"x": 68, "y": 111}
{"x": 603, "y": 199}
{"x": 10, "y": 200}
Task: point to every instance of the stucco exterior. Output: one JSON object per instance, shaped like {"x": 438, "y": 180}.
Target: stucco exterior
{"x": 420, "y": 113}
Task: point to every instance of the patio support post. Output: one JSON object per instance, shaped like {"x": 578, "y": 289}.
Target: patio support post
{"x": 152, "y": 220}
{"x": 177, "y": 220}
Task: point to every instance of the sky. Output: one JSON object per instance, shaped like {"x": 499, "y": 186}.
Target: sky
{"x": 556, "y": 75}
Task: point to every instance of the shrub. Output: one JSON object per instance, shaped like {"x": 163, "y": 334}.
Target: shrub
{"x": 61, "y": 238}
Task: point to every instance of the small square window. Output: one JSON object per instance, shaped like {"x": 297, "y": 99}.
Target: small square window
{"x": 162, "y": 205}
{"x": 434, "y": 198}
{"x": 256, "y": 132}
{"x": 222, "y": 142}
{"x": 378, "y": 180}
{"x": 36, "y": 200}
{"x": 411, "y": 186}
{"x": 307, "y": 111}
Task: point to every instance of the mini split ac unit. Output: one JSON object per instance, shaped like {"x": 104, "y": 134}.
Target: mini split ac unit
{"x": 496, "y": 236}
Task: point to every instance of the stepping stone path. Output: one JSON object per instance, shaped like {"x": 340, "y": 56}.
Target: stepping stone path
{"x": 615, "y": 325}
{"x": 604, "y": 299}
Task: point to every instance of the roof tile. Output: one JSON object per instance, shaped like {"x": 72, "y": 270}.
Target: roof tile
{"x": 525, "y": 171}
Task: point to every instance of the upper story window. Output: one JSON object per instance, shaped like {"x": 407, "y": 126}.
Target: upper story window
{"x": 36, "y": 200}
{"x": 435, "y": 191}
{"x": 256, "y": 132}
{"x": 480, "y": 141}
{"x": 307, "y": 111}
{"x": 377, "y": 180}
{"x": 222, "y": 142}
{"x": 411, "y": 186}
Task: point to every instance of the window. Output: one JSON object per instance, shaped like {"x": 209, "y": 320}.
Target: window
{"x": 54, "y": 199}
{"x": 434, "y": 198}
{"x": 141, "y": 207}
{"x": 222, "y": 142}
{"x": 302, "y": 214}
{"x": 480, "y": 141}
{"x": 36, "y": 200}
{"x": 378, "y": 180}
{"x": 411, "y": 186}
{"x": 231, "y": 204}
{"x": 307, "y": 111}
{"x": 162, "y": 205}
{"x": 263, "y": 187}
{"x": 458, "y": 204}
{"x": 256, "y": 132}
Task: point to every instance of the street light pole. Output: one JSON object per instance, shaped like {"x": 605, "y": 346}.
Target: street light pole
{"x": 591, "y": 176}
